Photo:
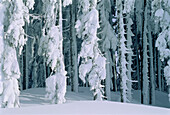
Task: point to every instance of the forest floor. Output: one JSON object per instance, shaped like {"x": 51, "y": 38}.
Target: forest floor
{"x": 33, "y": 102}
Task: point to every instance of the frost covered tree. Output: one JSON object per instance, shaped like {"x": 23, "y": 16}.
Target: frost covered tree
{"x": 161, "y": 11}
{"x": 108, "y": 41}
{"x": 92, "y": 61}
{"x": 124, "y": 73}
{"x": 14, "y": 14}
{"x": 51, "y": 45}
{"x": 128, "y": 8}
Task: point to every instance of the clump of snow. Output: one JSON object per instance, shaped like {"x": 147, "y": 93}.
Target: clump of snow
{"x": 11, "y": 92}
{"x": 11, "y": 66}
{"x": 128, "y": 6}
{"x": 84, "y": 69}
{"x": 30, "y": 4}
{"x": 85, "y": 5}
{"x": 159, "y": 13}
{"x": 67, "y": 2}
{"x": 56, "y": 88}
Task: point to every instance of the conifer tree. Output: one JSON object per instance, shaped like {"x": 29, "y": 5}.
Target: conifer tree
{"x": 15, "y": 13}
{"x": 93, "y": 62}
{"x": 51, "y": 46}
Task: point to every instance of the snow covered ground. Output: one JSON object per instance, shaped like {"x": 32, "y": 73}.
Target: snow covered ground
{"x": 33, "y": 102}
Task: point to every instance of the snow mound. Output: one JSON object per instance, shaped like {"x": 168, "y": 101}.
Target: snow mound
{"x": 89, "y": 107}
{"x": 33, "y": 102}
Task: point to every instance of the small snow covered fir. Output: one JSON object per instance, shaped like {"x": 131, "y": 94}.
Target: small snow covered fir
{"x": 93, "y": 62}
{"x": 51, "y": 47}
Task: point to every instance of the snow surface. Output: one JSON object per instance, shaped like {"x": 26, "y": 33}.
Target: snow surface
{"x": 33, "y": 102}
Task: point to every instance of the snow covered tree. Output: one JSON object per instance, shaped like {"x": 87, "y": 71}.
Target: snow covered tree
{"x": 92, "y": 61}
{"x": 14, "y": 14}
{"x": 123, "y": 49}
{"x": 51, "y": 45}
{"x": 128, "y": 8}
{"x": 108, "y": 41}
{"x": 161, "y": 11}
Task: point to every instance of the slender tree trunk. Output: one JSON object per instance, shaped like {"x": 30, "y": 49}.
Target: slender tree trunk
{"x": 108, "y": 75}
{"x": 22, "y": 72}
{"x": 159, "y": 73}
{"x": 152, "y": 77}
{"x": 145, "y": 58}
{"x": 27, "y": 60}
{"x": 44, "y": 71}
{"x": 163, "y": 85}
{"x": 34, "y": 74}
{"x": 74, "y": 48}
{"x": 114, "y": 73}
{"x": 151, "y": 59}
{"x": 137, "y": 52}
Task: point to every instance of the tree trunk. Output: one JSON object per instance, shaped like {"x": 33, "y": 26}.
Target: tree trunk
{"x": 152, "y": 77}
{"x": 21, "y": 70}
{"x": 114, "y": 73}
{"x": 74, "y": 60}
{"x": 145, "y": 81}
{"x": 159, "y": 73}
{"x": 108, "y": 75}
{"x": 27, "y": 60}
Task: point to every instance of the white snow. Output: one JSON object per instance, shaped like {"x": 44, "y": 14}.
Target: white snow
{"x": 67, "y": 2}
{"x": 159, "y": 13}
{"x": 33, "y": 102}
{"x": 56, "y": 86}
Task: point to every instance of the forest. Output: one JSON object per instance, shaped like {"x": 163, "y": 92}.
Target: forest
{"x": 110, "y": 47}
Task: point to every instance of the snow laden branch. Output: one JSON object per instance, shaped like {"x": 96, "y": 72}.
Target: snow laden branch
{"x": 93, "y": 62}
{"x": 124, "y": 69}
{"x": 128, "y": 8}
{"x": 161, "y": 11}
{"x": 13, "y": 18}
{"x": 51, "y": 47}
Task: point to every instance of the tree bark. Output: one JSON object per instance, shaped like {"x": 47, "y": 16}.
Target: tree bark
{"x": 74, "y": 60}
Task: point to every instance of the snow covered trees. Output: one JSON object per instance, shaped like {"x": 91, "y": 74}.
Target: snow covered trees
{"x": 161, "y": 11}
{"x": 92, "y": 61}
{"x": 123, "y": 49}
{"x": 43, "y": 54}
{"x": 128, "y": 8}
{"x": 14, "y": 14}
{"x": 51, "y": 47}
